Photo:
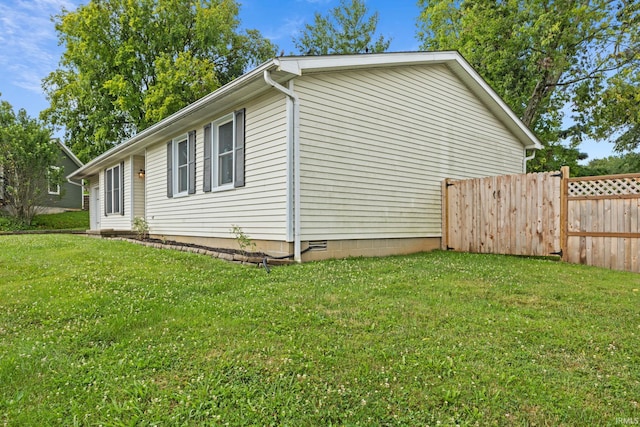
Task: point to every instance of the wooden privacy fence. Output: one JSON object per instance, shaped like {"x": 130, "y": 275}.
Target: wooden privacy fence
{"x": 602, "y": 224}
{"x": 591, "y": 220}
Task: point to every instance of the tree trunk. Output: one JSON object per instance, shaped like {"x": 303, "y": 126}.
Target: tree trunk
{"x": 543, "y": 89}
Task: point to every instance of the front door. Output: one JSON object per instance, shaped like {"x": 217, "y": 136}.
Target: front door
{"x": 94, "y": 208}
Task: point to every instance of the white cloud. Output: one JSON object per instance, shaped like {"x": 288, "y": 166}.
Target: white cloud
{"x": 29, "y": 43}
{"x": 289, "y": 28}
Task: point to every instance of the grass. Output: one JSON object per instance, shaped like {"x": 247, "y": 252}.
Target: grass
{"x": 97, "y": 332}
{"x": 72, "y": 220}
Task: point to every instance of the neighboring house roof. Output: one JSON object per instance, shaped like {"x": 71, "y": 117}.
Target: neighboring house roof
{"x": 69, "y": 153}
{"x": 283, "y": 69}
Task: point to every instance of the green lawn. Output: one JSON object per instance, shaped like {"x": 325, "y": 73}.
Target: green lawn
{"x": 97, "y": 332}
{"x": 72, "y": 220}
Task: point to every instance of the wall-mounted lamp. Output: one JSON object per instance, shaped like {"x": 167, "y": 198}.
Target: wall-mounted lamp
{"x": 141, "y": 173}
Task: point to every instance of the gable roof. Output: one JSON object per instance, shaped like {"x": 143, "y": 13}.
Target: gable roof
{"x": 66, "y": 150}
{"x": 283, "y": 69}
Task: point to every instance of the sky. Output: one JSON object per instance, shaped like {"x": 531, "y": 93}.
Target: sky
{"x": 29, "y": 48}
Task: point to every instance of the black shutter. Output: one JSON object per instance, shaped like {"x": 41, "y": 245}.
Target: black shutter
{"x": 104, "y": 199}
{"x": 192, "y": 162}
{"x": 170, "y": 169}
{"x": 240, "y": 140}
{"x": 121, "y": 188}
{"x": 206, "y": 178}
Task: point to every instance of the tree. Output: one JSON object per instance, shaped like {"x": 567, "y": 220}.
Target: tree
{"x": 627, "y": 163}
{"x": 543, "y": 56}
{"x": 128, "y": 64}
{"x": 27, "y": 153}
{"x": 346, "y": 29}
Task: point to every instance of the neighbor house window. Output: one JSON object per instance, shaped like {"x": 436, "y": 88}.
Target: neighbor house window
{"x": 114, "y": 190}
{"x": 53, "y": 180}
{"x": 181, "y": 165}
{"x": 224, "y": 152}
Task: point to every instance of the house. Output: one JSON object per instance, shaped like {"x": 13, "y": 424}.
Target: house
{"x": 65, "y": 196}
{"x": 341, "y": 154}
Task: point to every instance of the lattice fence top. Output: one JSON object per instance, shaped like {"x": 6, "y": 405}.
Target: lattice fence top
{"x": 605, "y": 187}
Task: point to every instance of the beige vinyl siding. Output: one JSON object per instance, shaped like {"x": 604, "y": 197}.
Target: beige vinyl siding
{"x": 259, "y": 207}
{"x": 117, "y": 221}
{"x": 376, "y": 145}
{"x": 138, "y": 187}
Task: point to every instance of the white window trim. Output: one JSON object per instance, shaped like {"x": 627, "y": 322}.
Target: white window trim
{"x": 120, "y": 189}
{"x": 174, "y": 169}
{"x": 57, "y": 192}
{"x": 215, "y": 165}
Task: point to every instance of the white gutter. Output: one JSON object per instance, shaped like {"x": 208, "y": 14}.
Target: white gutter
{"x": 293, "y": 131}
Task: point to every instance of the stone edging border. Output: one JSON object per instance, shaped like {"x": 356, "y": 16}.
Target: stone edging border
{"x": 235, "y": 258}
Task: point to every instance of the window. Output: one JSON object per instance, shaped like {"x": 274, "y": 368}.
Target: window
{"x": 53, "y": 180}
{"x": 224, "y": 152}
{"x": 113, "y": 190}
{"x": 181, "y": 165}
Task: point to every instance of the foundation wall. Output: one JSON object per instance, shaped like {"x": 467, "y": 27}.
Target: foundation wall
{"x": 371, "y": 247}
{"x": 334, "y": 248}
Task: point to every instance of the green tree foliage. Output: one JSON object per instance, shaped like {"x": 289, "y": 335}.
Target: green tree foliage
{"x": 128, "y": 64}
{"x": 27, "y": 153}
{"x": 346, "y": 29}
{"x": 626, "y": 163}
{"x": 544, "y": 55}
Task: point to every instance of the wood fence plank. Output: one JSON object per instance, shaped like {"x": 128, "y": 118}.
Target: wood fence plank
{"x": 549, "y": 227}
{"x": 493, "y": 216}
{"x": 529, "y": 190}
{"x": 627, "y": 228}
{"x": 455, "y": 232}
{"x": 539, "y": 214}
{"x": 484, "y": 214}
{"x": 457, "y": 229}
{"x": 634, "y": 228}
{"x": 467, "y": 195}
{"x": 513, "y": 214}
{"x": 588, "y": 226}
{"x": 502, "y": 229}
{"x": 606, "y": 242}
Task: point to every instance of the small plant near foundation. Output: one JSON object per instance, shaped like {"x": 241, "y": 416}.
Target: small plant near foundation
{"x": 244, "y": 241}
{"x": 141, "y": 227}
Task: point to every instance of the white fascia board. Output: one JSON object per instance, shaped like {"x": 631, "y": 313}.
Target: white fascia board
{"x": 299, "y": 64}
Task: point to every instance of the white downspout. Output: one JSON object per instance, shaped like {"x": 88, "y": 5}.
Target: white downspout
{"x": 294, "y": 138}
{"x": 81, "y": 191}
{"x": 527, "y": 158}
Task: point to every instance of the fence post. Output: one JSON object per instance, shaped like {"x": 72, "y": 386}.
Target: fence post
{"x": 564, "y": 212}
{"x": 444, "y": 242}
